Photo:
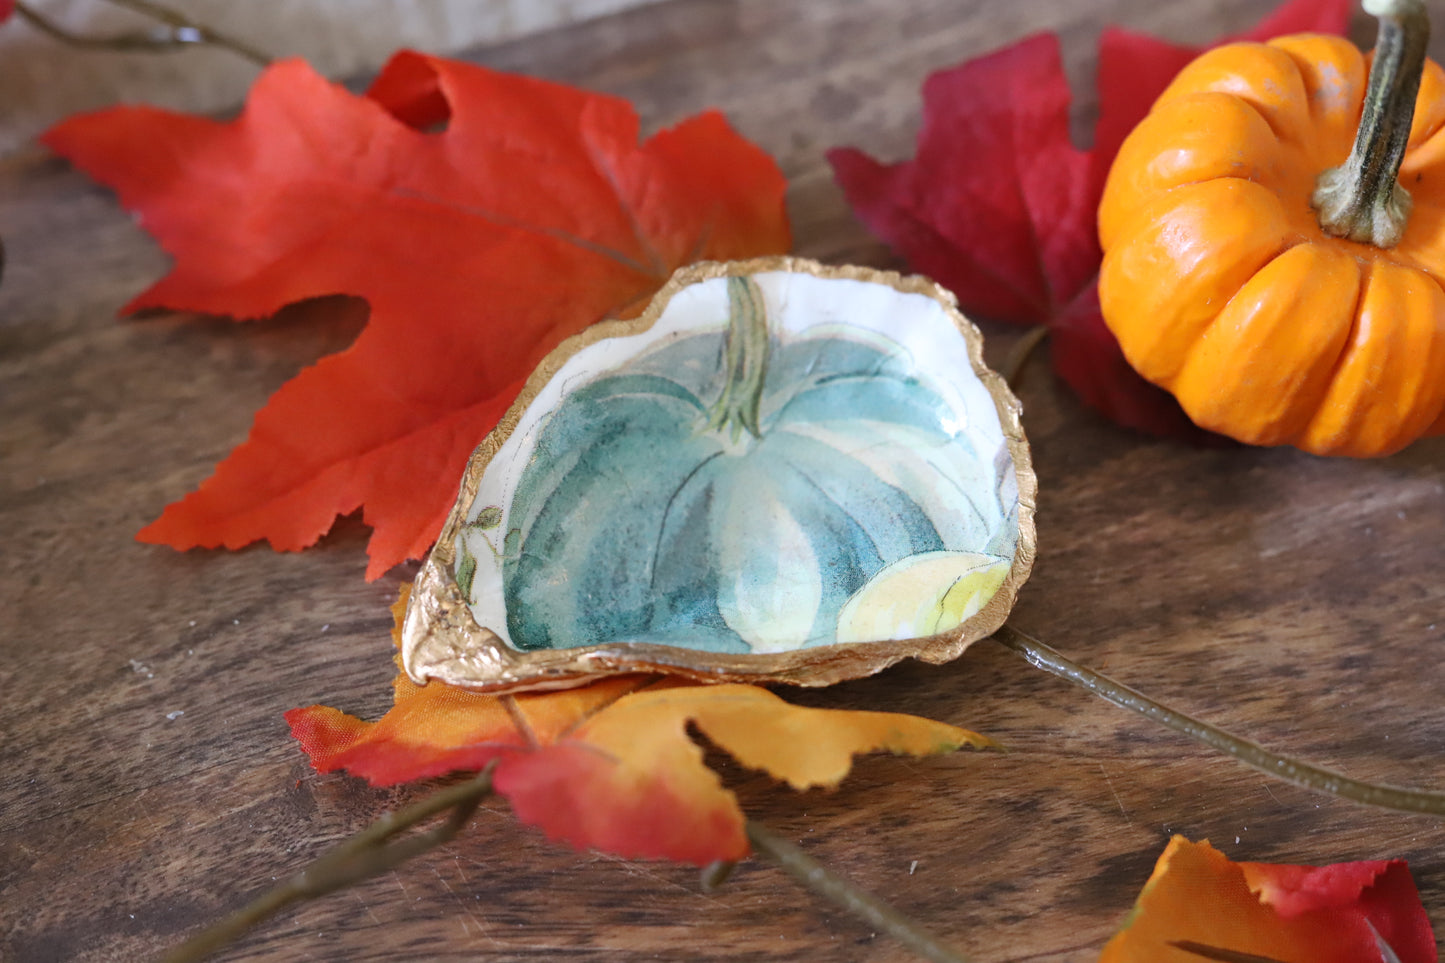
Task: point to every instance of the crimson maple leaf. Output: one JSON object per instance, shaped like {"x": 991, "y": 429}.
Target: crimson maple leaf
{"x": 478, "y": 248}
{"x": 999, "y": 205}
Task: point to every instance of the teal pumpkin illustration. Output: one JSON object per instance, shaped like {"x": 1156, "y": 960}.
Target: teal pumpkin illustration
{"x": 743, "y": 490}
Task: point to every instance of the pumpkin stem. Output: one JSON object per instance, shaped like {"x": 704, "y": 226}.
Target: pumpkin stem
{"x": 747, "y": 360}
{"x": 1362, "y": 199}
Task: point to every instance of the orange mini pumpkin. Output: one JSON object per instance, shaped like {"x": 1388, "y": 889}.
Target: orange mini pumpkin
{"x": 1274, "y": 240}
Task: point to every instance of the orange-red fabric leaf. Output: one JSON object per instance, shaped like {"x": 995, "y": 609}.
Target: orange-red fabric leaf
{"x": 610, "y": 766}
{"x": 478, "y": 247}
{"x": 1294, "y": 914}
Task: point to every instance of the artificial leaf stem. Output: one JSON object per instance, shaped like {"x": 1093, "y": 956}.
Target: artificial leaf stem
{"x": 1204, "y": 951}
{"x": 370, "y": 852}
{"x": 1304, "y": 774}
{"x": 365, "y": 854}
{"x": 1362, "y": 199}
{"x": 175, "y": 31}
{"x": 834, "y": 888}
{"x": 1012, "y": 368}
{"x": 716, "y": 873}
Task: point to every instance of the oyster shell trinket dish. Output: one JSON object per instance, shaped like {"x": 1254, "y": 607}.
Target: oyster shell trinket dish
{"x": 779, "y": 472}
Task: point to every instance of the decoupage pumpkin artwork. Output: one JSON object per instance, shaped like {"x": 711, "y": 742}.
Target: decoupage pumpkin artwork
{"x": 1274, "y": 238}
{"x": 780, "y": 471}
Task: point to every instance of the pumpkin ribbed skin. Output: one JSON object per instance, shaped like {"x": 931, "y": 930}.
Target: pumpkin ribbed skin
{"x": 1221, "y": 285}
{"x": 636, "y": 522}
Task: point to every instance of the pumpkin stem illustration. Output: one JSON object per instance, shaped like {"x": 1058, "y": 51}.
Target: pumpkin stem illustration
{"x": 746, "y": 358}
{"x": 1362, "y": 199}
{"x": 1303, "y": 774}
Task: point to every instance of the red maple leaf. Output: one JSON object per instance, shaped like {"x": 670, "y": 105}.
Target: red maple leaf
{"x": 478, "y": 248}
{"x": 999, "y": 205}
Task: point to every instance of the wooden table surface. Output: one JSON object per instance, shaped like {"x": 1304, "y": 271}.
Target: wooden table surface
{"x": 1293, "y": 599}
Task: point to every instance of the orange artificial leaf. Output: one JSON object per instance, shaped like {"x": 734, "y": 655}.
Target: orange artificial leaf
{"x": 478, "y": 247}
{"x": 610, "y": 766}
{"x": 1198, "y": 905}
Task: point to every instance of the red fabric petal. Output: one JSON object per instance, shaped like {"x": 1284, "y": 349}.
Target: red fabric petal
{"x": 583, "y": 798}
{"x": 1381, "y": 891}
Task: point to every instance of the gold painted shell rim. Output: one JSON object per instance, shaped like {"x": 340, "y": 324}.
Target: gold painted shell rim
{"x": 442, "y": 641}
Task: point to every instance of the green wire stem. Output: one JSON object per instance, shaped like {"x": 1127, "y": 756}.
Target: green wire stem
{"x": 1252, "y": 754}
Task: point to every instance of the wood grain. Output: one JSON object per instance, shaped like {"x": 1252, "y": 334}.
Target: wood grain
{"x": 1294, "y": 599}
{"x": 44, "y": 82}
